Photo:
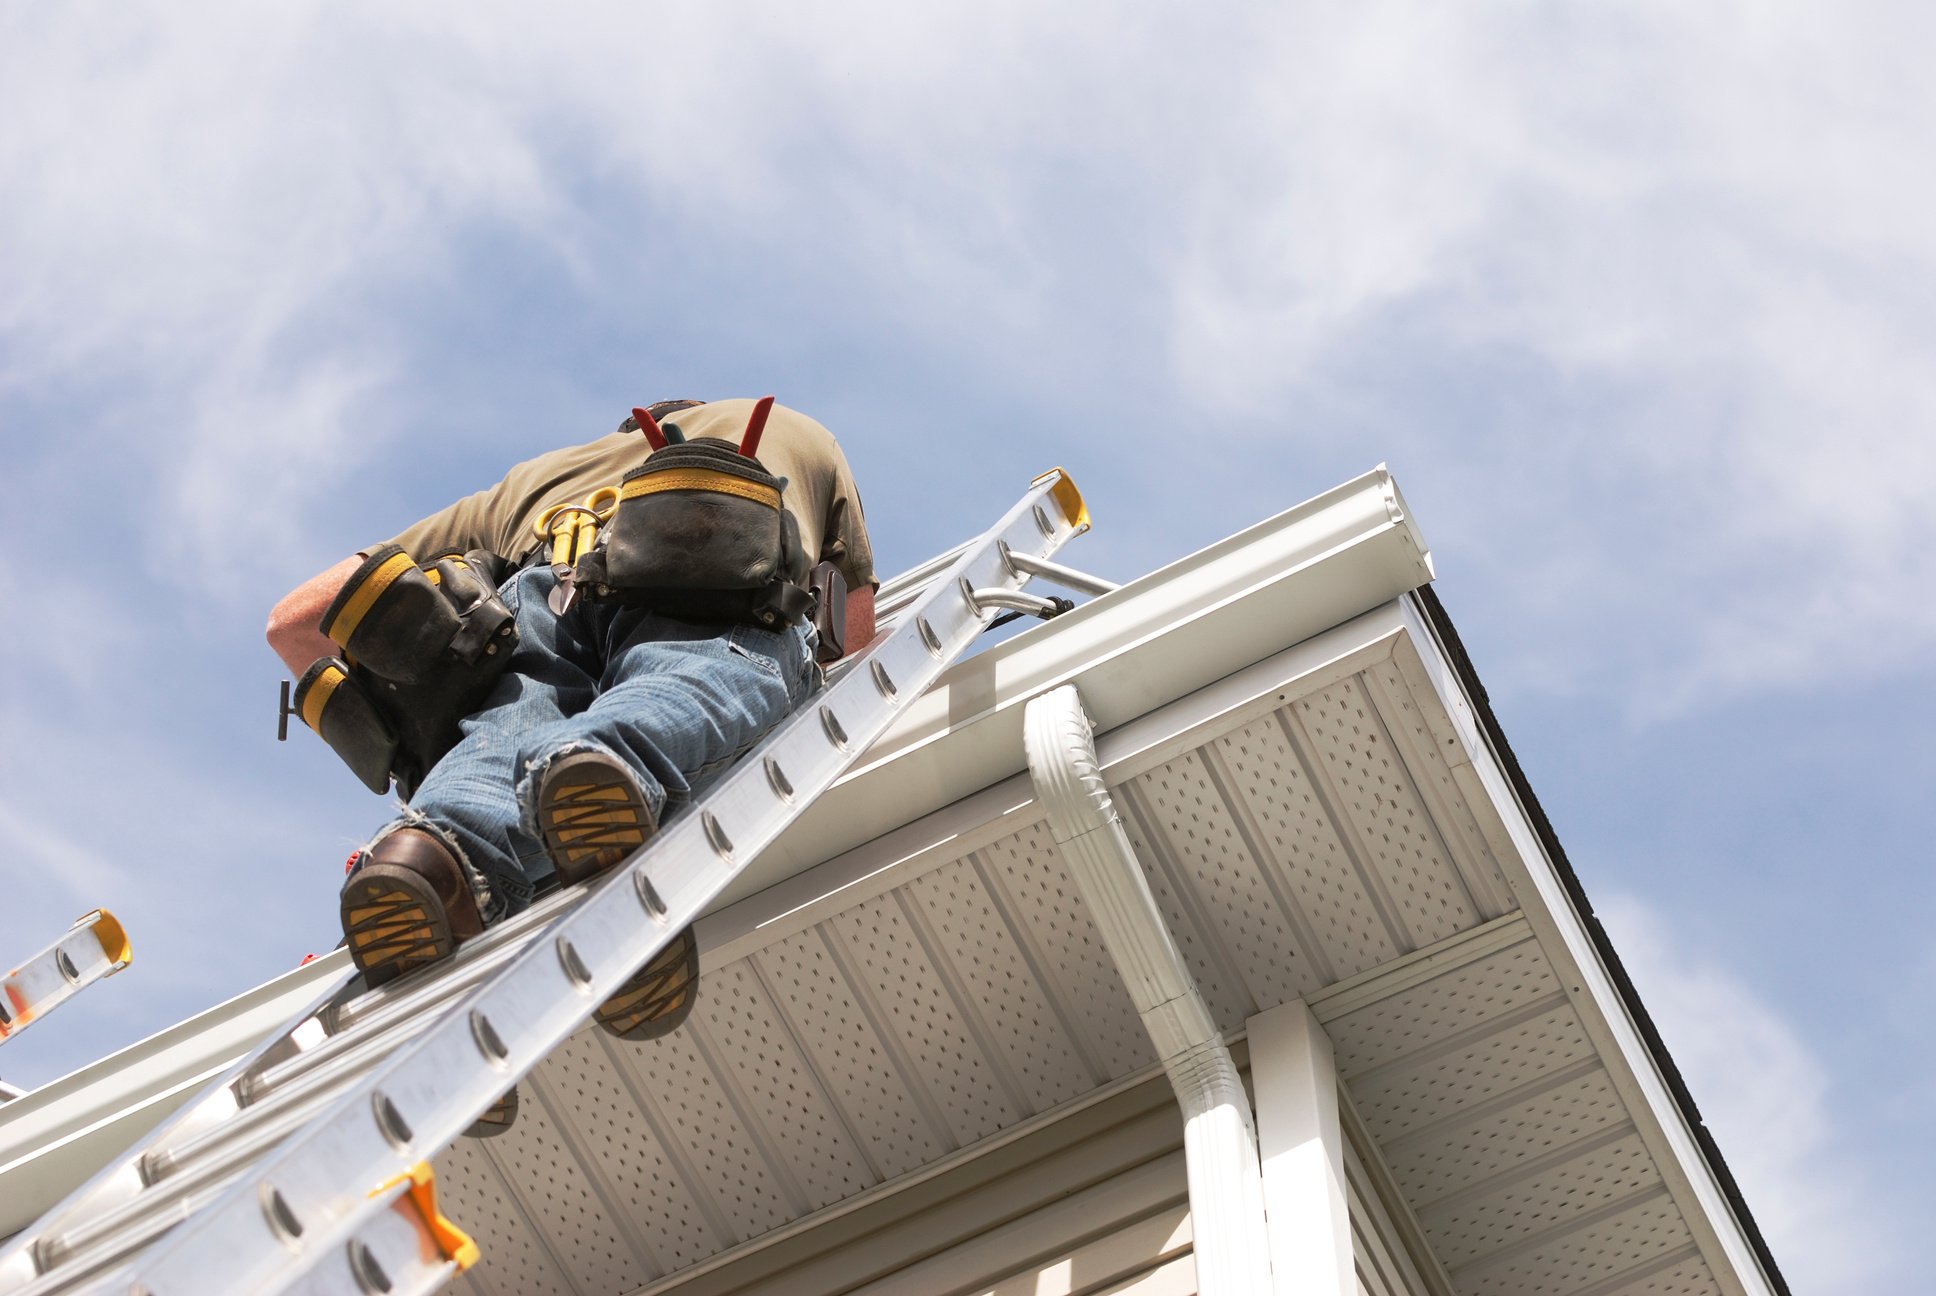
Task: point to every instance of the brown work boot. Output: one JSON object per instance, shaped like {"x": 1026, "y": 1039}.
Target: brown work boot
{"x": 407, "y": 905}
{"x": 591, "y": 813}
{"x": 593, "y": 816}
{"x": 497, "y": 1118}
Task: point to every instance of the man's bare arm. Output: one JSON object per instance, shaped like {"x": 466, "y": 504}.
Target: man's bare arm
{"x": 293, "y": 623}
{"x": 860, "y": 618}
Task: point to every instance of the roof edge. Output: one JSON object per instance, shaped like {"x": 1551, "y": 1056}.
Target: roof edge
{"x": 1453, "y": 649}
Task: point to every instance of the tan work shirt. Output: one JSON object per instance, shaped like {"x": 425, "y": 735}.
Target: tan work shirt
{"x": 819, "y": 491}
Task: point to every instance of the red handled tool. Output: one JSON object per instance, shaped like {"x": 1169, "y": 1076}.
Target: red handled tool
{"x": 649, "y": 426}
{"x": 749, "y": 444}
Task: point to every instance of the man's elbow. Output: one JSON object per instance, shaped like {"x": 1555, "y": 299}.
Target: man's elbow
{"x": 295, "y": 622}
{"x": 285, "y": 624}
{"x": 292, "y": 636}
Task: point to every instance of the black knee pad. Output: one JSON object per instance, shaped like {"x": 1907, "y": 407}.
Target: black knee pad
{"x": 390, "y": 617}
{"x": 349, "y": 719}
{"x": 423, "y": 647}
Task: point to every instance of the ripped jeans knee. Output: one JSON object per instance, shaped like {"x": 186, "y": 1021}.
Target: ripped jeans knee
{"x": 531, "y": 779}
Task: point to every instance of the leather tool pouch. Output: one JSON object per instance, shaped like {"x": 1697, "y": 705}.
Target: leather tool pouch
{"x": 423, "y": 646}
{"x": 829, "y": 589}
{"x": 700, "y": 532}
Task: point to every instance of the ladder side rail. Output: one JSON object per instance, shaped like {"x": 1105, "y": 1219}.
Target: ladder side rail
{"x": 310, "y": 1192}
{"x": 397, "y": 1254}
{"x": 899, "y": 585}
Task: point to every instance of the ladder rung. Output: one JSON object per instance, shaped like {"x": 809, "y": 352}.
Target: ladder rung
{"x": 404, "y": 1246}
{"x": 123, "y": 1231}
{"x": 901, "y": 584}
{"x": 392, "y": 1007}
{"x": 473, "y": 959}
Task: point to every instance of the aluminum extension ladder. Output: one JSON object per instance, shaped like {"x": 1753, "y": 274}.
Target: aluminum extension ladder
{"x": 305, "y": 1168}
{"x": 93, "y": 948}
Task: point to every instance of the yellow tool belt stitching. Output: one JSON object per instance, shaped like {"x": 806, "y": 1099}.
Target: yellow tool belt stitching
{"x": 367, "y": 594}
{"x": 318, "y": 697}
{"x": 701, "y": 479}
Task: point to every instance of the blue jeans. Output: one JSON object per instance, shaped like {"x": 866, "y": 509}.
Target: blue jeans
{"x": 678, "y": 702}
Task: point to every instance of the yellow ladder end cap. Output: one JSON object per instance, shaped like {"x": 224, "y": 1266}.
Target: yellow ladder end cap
{"x": 1067, "y": 497}
{"x": 113, "y": 937}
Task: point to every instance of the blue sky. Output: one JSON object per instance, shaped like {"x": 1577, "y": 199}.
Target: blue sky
{"x": 1634, "y": 299}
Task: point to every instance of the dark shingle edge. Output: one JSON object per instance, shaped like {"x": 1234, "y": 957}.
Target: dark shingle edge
{"x": 1448, "y": 636}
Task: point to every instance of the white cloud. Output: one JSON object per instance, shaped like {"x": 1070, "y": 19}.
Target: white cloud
{"x": 1713, "y": 220}
{"x": 1767, "y": 1098}
{"x": 209, "y": 206}
{"x": 37, "y": 852}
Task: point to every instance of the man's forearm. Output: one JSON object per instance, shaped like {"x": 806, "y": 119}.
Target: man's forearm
{"x": 294, "y": 622}
{"x": 860, "y": 618}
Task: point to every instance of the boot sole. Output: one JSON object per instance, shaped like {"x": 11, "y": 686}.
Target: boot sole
{"x": 592, "y": 816}
{"x": 659, "y": 997}
{"x": 393, "y": 922}
{"x": 497, "y": 1118}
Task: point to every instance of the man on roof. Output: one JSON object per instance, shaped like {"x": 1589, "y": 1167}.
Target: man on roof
{"x": 550, "y": 668}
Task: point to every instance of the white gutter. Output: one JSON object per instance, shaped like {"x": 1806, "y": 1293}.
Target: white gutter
{"x": 1219, "y": 1138}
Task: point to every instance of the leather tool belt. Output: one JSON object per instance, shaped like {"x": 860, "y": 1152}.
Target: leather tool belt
{"x": 700, "y": 533}
{"x": 422, "y": 646}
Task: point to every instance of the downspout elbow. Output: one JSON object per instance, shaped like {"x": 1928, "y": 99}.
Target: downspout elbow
{"x": 1220, "y": 1137}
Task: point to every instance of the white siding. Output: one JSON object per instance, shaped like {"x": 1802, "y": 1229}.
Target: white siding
{"x": 1384, "y": 1235}
{"x": 1094, "y": 1203}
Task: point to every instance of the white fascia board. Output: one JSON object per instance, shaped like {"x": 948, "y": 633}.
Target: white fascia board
{"x": 1549, "y": 911}
{"x": 1146, "y": 644}
{"x": 58, "y": 1135}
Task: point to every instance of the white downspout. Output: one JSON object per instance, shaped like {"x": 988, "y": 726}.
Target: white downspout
{"x": 1219, "y": 1138}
